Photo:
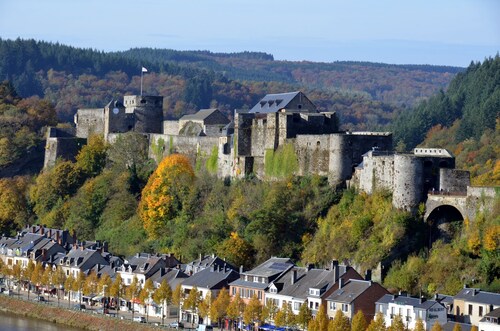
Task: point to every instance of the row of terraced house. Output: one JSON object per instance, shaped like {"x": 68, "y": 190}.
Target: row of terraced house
{"x": 277, "y": 281}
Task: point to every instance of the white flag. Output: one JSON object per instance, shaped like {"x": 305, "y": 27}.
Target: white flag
{"x": 144, "y": 69}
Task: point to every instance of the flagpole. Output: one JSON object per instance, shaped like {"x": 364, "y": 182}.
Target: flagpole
{"x": 142, "y": 74}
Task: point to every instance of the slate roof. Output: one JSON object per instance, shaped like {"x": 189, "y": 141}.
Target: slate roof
{"x": 146, "y": 263}
{"x": 206, "y": 262}
{"x": 212, "y": 278}
{"x": 494, "y": 313}
{"x": 406, "y": 300}
{"x": 201, "y": 115}
{"x": 478, "y": 296}
{"x": 79, "y": 257}
{"x": 272, "y": 103}
{"x": 243, "y": 283}
{"x": 50, "y": 233}
{"x": 306, "y": 279}
{"x": 350, "y": 291}
{"x": 272, "y": 267}
{"x": 26, "y": 242}
{"x": 172, "y": 276}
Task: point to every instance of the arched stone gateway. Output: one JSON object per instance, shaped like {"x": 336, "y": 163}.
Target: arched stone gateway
{"x": 445, "y": 211}
{"x": 443, "y": 223}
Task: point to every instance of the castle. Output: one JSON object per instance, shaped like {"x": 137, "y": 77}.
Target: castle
{"x": 256, "y": 137}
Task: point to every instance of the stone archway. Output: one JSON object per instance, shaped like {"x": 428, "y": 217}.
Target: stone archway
{"x": 443, "y": 223}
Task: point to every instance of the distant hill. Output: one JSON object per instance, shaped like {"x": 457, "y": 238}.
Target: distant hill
{"x": 365, "y": 95}
{"x": 465, "y": 119}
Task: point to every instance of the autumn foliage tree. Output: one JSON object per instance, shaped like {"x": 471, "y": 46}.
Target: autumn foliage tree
{"x": 164, "y": 193}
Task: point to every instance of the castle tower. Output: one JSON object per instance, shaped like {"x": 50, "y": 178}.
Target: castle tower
{"x": 148, "y": 112}
{"x": 408, "y": 181}
{"x": 339, "y": 168}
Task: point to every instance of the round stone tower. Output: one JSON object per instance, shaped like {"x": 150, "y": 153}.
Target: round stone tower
{"x": 340, "y": 165}
{"x": 148, "y": 112}
{"x": 408, "y": 182}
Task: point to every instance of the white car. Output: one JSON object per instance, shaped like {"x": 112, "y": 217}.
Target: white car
{"x": 140, "y": 319}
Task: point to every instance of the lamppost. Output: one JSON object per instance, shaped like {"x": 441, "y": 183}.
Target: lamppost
{"x": 104, "y": 288}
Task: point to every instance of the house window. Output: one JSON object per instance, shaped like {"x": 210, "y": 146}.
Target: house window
{"x": 345, "y": 308}
{"x": 332, "y": 305}
{"x": 316, "y": 305}
{"x": 296, "y": 305}
{"x": 310, "y": 305}
{"x": 255, "y": 279}
{"x": 273, "y": 290}
{"x": 470, "y": 309}
{"x": 234, "y": 290}
{"x": 480, "y": 311}
{"x": 392, "y": 312}
{"x": 259, "y": 295}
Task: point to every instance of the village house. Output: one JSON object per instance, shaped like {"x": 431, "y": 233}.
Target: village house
{"x": 26, "y": 247}
{"x": 257, "y": 280}
{"x": 80, "y": 259}
{"x": 490, "y": 321}
{"x": 307, "y": 285}
{"x": 353, "y": 296}
{"x": 208, "y": 282}
{"x": 410, "y": 309}
{"x": 472, "y": 304}
{"x": 174, "y": 277}
{"x": 144, "y": 265}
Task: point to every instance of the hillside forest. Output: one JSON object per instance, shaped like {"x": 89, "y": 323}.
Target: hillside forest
{"x": 111, "y": 192}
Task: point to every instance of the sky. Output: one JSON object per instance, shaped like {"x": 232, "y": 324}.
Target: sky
{"x": 438, "y": 32}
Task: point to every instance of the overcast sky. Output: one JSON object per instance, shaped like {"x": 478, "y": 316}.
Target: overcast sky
{"x": 444, "y": 32}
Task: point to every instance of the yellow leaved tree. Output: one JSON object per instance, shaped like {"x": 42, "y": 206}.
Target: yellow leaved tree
{"x": 163, "y": 195}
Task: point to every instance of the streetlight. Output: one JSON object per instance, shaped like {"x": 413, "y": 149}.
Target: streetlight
{"x": 104, "y": 288}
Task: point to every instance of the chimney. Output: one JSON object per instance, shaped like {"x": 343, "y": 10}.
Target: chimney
{"x": 44, "y": 254}
{"x": 33, "y": 229}
{"x": 333, "y": 264}
{"x": 474, "y": 292}
{"x": 50, "y": 234}
{"x": 200, "y": 257}
{"x": 422, "y": 299}
{"x": 241, "y": 269}
{"x": 368, "y": 274}
{"x": 42, "y": 229}
{"x": 340, "y": 283}
{"x": 294, "y": 277}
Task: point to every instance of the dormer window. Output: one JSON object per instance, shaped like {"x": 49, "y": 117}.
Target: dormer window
{"x": 314, "y": 291}
{"x": 273, "y": 290}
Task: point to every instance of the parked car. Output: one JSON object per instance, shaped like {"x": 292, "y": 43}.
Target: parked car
{"x": 203, "y": 327}
{"x": 79, "y": 307}
{"x": 39, "y": 298}
{"x": 102, "y": 311}
{"x": 176, "y": 325}
{"x": 140, "y": 319}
